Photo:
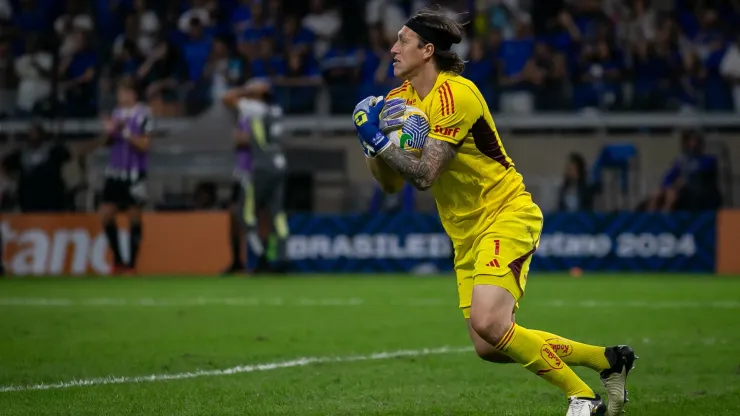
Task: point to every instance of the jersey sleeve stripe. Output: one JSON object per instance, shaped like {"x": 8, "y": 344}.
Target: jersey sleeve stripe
{"x": 443, "y": 101}
{"x": 448, "y": 98}
{"x": 446, "y": 86}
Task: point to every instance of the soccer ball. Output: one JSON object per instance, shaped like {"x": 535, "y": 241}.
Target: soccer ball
{"x": 413, "y": 134}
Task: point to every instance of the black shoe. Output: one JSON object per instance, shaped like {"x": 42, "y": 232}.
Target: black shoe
{"x": 586, "y": 406}
{"x": 622, "y": 358}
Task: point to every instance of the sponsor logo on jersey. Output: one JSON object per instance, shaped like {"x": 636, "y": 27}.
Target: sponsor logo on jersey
{"x": 446, "y": 131}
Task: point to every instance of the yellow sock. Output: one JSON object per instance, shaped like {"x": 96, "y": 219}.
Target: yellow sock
{"x": 537, "y": 356}
{"x": 576, "y": 353}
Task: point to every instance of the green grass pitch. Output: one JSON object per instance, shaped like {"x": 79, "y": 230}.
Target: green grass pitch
{"x": 85, "y": 346}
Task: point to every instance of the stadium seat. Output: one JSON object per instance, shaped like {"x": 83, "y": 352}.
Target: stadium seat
{"x": 621, "y": 159}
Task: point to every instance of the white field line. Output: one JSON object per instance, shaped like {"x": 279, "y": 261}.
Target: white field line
{"x": 299, "y": 362}
{"x": 342, "y": 302}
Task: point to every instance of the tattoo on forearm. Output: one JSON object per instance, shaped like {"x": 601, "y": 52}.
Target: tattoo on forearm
{"x": 407, "y": 165}
{"x": 420, "y": 172}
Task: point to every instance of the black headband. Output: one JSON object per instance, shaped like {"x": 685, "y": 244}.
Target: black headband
{"x": 441, "y": 40}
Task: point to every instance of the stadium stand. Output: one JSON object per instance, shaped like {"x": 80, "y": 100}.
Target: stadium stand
{"x": 600, "y": 66}
{"x": 608, "y": 55}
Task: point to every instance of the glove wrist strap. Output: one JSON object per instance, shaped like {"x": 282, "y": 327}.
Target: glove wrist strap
{"x": 384, "y": 148}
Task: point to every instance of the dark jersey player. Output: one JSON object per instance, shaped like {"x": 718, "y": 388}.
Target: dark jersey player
{"x": 260, "y": 176}
{"x": 127, "y": 135}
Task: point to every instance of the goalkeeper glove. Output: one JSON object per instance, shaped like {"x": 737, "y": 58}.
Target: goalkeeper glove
{"x": 392, "y": 116}
{"x": 367, "y": 120}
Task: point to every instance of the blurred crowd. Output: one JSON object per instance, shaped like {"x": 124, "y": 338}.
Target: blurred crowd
{"x": 691, "y": 183}
{"x": 637, "y": 55}
{"x": 526, "y": 55}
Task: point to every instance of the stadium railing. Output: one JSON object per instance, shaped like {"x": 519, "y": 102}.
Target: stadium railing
{"x": 342, "y": 124}
{"x": 198, "y": 148}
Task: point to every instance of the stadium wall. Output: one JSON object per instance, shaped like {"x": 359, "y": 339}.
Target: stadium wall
{"x": 542, "y": 159}
{"x": 546, "y": 155}
{"x": 197, "y": 243}
{"x": 339, "y": 171}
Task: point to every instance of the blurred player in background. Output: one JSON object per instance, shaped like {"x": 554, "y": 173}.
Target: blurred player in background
{"x": 127, "y": 134}
{"x": 260, "y": 174}
{"x": 491, "y": 219}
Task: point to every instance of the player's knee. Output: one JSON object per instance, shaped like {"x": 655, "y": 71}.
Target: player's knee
{"x": 490, "y": 326}
{"x": 486, "y": 352}
{"x": 491, "y": 312}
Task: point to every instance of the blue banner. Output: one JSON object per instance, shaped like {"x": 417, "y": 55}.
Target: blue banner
{"x": 402, "y": 242}
{"x": 681, "y": 242}
{"x": 414, "y": 242}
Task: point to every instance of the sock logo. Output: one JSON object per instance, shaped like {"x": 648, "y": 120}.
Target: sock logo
{"x": 550, "y": 357}
{"x": 562, "y": 347}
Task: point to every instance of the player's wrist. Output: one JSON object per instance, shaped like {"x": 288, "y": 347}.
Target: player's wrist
{"x": 382, "y": 143}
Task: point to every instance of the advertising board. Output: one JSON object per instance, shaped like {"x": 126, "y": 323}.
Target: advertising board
{"x": 75, "y": 244}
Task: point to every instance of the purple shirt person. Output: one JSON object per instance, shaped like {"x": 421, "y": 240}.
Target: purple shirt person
{"x": 127, "y": 134}
{"x": 127, "y": 160}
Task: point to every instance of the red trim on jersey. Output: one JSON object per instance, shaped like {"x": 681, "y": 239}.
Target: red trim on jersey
{"x": 447, "y": 88}
{"x": 448, "y": 100}
{"x": 444, "y": 101}
{"x": 396, "y": 91}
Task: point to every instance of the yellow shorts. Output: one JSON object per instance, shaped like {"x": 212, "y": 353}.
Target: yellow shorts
{"x": 500, "y": 255}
